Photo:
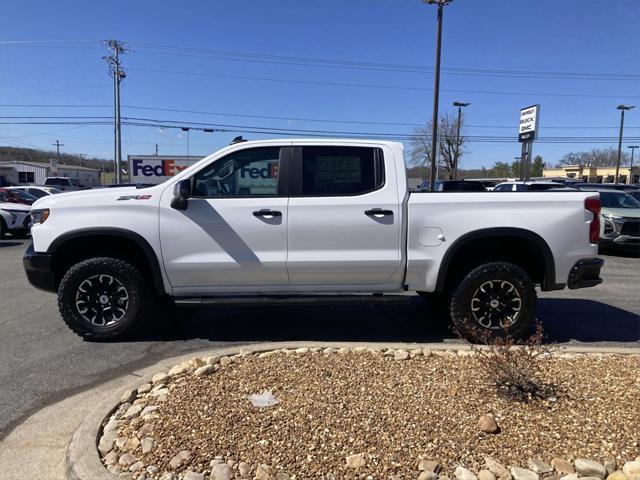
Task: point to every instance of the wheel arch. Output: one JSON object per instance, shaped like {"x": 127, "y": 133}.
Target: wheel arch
{"x": 77, "y": 245}
{"x": 525, "y": 248}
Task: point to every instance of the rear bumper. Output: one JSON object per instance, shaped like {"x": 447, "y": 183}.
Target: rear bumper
{"x": 37, "y": 266}
{"x": 585, "y": 273}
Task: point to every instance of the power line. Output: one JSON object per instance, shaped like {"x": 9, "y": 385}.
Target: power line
{"x": 385, "y": 87}
{"x": 337, "y": 63}
{"x": 275, "y": 117}
{"x": 145, "y": 122}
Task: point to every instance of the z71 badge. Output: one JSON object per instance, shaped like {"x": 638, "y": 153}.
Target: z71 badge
{"x": 135, "y": 197}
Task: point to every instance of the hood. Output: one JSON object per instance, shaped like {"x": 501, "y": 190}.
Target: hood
{"x": 98, "y": 196}
{"x": 15, "y": 206}
{"x": 622, "y": 212}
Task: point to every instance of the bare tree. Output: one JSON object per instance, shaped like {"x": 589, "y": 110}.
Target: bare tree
{"x": 597, "y": 157}
{"x": 420, "y": 153}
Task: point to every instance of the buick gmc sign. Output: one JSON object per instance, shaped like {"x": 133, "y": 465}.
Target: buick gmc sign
{"x": 157, "y": 169}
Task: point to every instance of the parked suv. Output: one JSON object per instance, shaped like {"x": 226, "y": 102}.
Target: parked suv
{"x": 620, "y": 226}
{"x": 65, "y": 184}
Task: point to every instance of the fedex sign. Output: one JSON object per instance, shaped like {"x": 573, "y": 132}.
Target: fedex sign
{"x": 156, "y": 169}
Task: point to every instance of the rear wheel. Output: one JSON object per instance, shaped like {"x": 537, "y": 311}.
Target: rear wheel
{"x": 3, "y": 229}
{"x": 104, "y": 298}
{"x": 495, "y": 299}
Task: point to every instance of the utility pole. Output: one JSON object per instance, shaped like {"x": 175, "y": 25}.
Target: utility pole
{"x": 116, "y": 48}
{"x": 156, "y": 154}
{"x": 633, "y": 149}
{"x": 622, "y": 109}
{"x": 58, "y": 145}
{"x": 436, "y": 92}
{"x": 457, "y": 154}
{"x": 518, "y": 165}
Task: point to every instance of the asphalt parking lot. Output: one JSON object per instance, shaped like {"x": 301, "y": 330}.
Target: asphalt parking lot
{"x": 42, "y": 361}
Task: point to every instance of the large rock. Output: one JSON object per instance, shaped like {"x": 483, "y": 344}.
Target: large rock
{"x": 221, "y": 471}
{"x": 462, "y": 473}
{"x": 485, "y": 474}
{"x": 204, "y": 370}
{"x": 244, "y": 468}
{"x": 428, "y": 475}
{"x": 617, "y": 475}
{"x": 523, "y": 474}
{"x": 356, "y": 461}
{"x": 589, "y": 468}
{"x": 128, "y": 396}
{"x": 632, "y": 470}
{"x": 144, "y": 388}
{"x": 126, "y": 459}
{"x": 487, "y": 424}
{"x": 401, "y": 355}
{"x": 539, "y": 466}
{"x": 132, "y": 412}
{"x": 147, "y": 444}
{"x": 160, "y": 377}
{"x": 562, "y": 466}
{"x": 111, "y": 458}
{"x": 180, "y": 459}
{"x": 193, "y": 476}
{"x": 497, "y": 469}
{"x": 429, "y": 465}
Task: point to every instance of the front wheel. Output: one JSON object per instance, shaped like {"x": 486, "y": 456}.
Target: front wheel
{"x": 104, "y": 298}
{"x": 492, "y": 300}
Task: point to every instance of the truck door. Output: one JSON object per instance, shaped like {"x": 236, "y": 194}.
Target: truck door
{"x": 233, "y": 234}
{"x": 344, "y": 217}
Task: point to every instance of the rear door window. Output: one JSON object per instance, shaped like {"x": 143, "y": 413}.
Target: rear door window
{"x": 340, "y": 171}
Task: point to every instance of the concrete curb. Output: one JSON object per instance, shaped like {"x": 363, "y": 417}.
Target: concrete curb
{"x": 83, "y": 460}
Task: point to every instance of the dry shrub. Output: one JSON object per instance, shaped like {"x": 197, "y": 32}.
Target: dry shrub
{"x": 513, "y": 367}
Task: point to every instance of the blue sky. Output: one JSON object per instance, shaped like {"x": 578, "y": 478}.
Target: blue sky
{"x": 578, "y": 36}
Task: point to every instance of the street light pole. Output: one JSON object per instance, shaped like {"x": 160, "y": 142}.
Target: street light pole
{"x": 633, "y": 149}
{"x": 436, "y": 92}
{"x": 457, "y": 154}
{"x": 622, "y": 109}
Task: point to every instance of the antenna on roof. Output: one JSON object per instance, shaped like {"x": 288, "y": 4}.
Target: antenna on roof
{"x": 238, "y": 139}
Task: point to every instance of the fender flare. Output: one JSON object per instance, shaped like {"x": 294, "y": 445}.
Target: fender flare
{"x": 549, "y": 282}
{"x": 139, "y": 240}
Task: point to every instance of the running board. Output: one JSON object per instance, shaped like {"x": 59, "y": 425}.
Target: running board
{"x": 292, "y": 299}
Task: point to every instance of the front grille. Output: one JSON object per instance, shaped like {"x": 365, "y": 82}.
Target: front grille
{"x": 631, "y": 227}
{"x": 27, "y": 221}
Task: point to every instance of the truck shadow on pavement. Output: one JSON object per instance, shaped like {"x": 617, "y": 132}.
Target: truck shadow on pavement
{"x": 410, "y": 320}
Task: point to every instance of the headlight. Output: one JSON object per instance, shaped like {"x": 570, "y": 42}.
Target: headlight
{"x": 612, "y": 217}
{"x": 39, "y": 216}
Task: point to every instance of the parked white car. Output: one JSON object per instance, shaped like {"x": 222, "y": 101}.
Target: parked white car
{"x": 15, "y": 219}
{"x": 308, "y": 217}
{"x": 65, "y": 184}
{"x": 36, "y": 190}
{"x": 528, "y": 186}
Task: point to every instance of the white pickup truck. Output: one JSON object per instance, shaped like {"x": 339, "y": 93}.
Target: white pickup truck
{"x": 307, "y": 217}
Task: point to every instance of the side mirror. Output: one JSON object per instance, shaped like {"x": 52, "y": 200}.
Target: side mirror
{"x": 181, "y": 194}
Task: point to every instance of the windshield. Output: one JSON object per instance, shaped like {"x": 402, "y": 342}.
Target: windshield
{"x": 56, "y": 181}
{"x": 618, "y": 200}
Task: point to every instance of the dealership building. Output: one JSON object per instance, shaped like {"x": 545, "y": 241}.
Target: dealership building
{"x": 34, "y": 173}
{"x": 594, "y": 174}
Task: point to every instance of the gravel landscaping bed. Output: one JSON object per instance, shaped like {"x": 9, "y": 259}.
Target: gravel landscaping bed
{"x": 375, "y": 414}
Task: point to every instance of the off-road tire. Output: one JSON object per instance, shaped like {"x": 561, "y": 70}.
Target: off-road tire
{"x": 3, "y": 229}
{"x": 140, "y": 298}
{"x": 461, "y": 299}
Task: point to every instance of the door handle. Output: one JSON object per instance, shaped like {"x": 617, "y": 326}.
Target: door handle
{"x": 378, "y": 211}
{"x": 267, "y": 213}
